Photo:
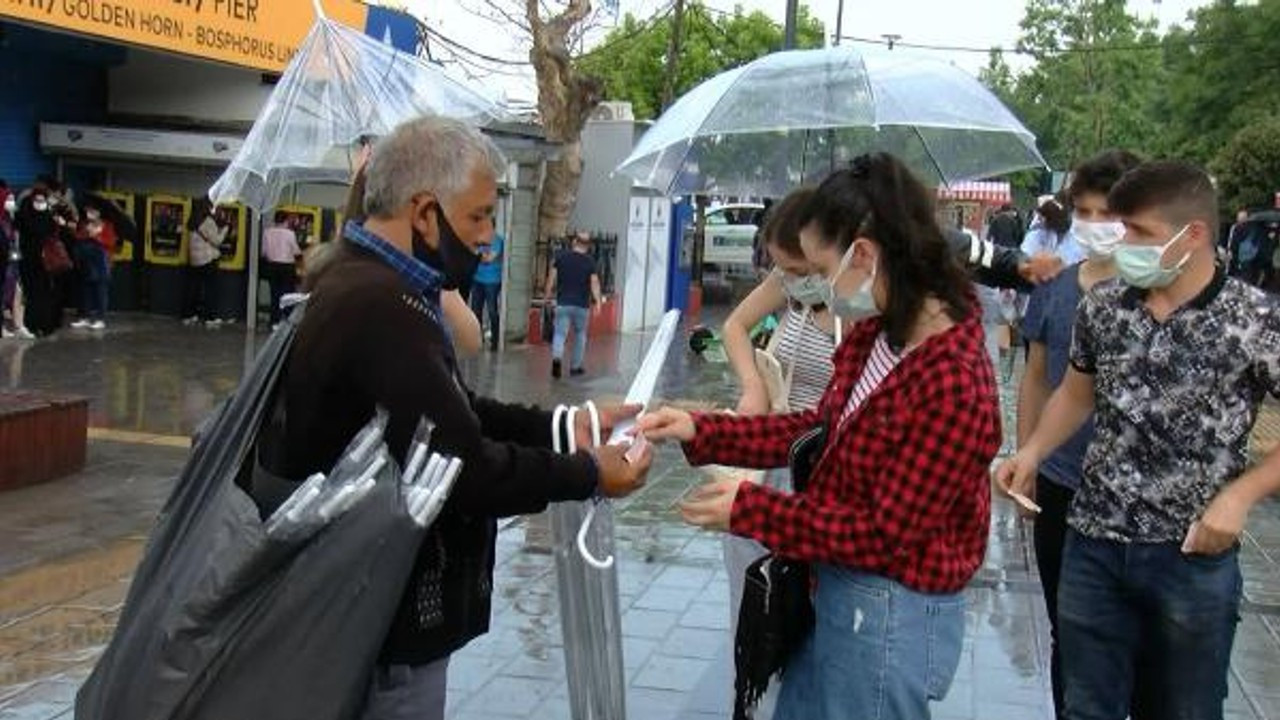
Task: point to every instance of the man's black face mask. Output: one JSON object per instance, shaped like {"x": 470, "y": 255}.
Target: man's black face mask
{"x": 453, "y": 258}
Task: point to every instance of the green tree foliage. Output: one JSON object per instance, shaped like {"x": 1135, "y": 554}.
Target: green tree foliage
{"x": 631, "y": 61}
{"x": 1223, "y": 75}
{"x": 1093, "y": 85}
{"x": 1100, "y": 77}
{"x": 1248, "y": 166}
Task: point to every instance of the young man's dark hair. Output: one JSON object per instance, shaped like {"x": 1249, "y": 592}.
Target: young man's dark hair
{"x": 1180, "y": 192}
{"x": 1099, "y": 173}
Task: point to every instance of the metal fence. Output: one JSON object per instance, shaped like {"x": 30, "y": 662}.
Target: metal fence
{"x": 604, "y": 248}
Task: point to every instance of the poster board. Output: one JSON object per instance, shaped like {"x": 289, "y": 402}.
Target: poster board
{"x": 235, "y": 218}
{"x": 303, "y": 220}
{"x": 127, "y": 204}
{"x": 165, "y": 232}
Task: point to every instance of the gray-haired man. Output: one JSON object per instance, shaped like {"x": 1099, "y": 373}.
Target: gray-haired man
{"x": 373, "y": 337}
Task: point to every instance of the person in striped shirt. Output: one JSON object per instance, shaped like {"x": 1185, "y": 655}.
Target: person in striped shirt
{"x": 806, "y": 341}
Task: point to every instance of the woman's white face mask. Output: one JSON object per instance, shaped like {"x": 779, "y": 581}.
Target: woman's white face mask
{"x": 861, "y": 304}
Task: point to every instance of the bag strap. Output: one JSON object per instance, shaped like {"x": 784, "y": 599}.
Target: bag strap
{"x": 790, "y": 374}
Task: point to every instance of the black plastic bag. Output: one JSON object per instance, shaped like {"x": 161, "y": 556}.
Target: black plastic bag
{"x": 223, "y": 621}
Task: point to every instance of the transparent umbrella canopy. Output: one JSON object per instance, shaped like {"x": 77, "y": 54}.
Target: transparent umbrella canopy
{"x": 792, "y": 117}
{"x": 341, "y": 86}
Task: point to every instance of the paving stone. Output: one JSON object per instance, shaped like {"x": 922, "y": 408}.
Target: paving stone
{"x": 669, "y": 599}
{"x": 508, "y": 696}
{"x": 666, "y": 672}
{"x": 652, "y": 624}
{"x": 707, "y": 616}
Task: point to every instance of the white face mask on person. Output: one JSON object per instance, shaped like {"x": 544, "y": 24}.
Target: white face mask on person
{"x": 1141, "y": 265}
{"x": 1098, "y": 238}
{"x": 859, "y": 306}
{"x": 806, "y": 290}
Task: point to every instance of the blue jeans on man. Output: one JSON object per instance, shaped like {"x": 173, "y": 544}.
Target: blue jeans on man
{"x": 576, "y": 317}
{"x": 1145, "y": 615}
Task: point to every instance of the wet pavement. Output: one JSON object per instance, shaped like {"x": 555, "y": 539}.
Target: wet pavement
{"x": 67, "y": 549}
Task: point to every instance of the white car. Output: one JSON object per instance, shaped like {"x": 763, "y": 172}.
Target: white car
{"x": 731, "y": 229}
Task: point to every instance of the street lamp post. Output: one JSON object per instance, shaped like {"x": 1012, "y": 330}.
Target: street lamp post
{"x": 789, "y": 27}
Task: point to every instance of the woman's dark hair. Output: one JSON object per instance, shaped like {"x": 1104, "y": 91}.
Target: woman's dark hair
{"x": 201, "y": 207}
{"x": 1056, "y": 217}
{"x": 879, "y": 198}
{"x": 782, "y": 222}
{"x": 322, "y": 257}
{"x": 355, "y": 198}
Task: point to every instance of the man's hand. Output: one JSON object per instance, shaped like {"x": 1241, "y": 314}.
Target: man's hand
{"x": 667, "y": 424}
{"x": 711, "y": 505}
{"x": 619, "y": 476}
{"x": 1220, "y": 526}
{"x": 610, "y": 416}
{"x": 1017, "y": 478}
{"x": 1040, "y": 268}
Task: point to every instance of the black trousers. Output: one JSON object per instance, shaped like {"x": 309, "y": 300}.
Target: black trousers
{"x": 1050, "y": 536}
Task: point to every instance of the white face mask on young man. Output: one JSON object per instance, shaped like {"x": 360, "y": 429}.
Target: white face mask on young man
{"x": 1098, "y": 238}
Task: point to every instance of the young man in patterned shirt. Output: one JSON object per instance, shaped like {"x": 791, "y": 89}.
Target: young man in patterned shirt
{"x": 1175, "y": 362}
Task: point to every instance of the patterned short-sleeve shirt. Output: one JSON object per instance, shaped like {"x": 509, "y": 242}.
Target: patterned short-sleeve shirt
{"x": 1175, "y": 402}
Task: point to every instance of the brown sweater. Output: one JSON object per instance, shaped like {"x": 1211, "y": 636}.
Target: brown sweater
{"x": 366, "y": 342}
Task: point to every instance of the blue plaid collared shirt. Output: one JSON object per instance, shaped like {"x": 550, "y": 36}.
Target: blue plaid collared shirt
{"x": 425, "y": 280}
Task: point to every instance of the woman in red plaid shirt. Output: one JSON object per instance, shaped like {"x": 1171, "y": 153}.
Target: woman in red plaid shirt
{"x": 894, "y": 517}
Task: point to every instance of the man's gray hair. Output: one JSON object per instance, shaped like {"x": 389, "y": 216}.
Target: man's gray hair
{"x": 429, "y": 154}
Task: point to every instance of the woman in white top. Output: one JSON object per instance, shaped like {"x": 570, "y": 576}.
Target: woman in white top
{"x": 805, "y": 343}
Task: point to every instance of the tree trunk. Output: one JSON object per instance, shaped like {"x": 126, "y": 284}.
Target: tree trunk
{"x": 560, "y": 190}
{"x": 566, "y": 98}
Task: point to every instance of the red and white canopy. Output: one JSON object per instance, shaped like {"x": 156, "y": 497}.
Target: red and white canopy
{"x": 989, "y": 192}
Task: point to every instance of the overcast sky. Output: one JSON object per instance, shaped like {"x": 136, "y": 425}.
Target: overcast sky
{"x": 973, "y": 23}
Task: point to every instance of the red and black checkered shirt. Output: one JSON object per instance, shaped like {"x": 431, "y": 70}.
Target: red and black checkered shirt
{"x": 902, "y": 489}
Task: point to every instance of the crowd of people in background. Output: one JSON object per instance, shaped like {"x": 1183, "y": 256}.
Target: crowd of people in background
{"x": 55, "y": 253}
{"x": 1137, "y": 556}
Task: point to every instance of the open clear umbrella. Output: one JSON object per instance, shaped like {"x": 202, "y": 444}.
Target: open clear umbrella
{"x": 791, "y": 117}
{"x": 341, "y": 86}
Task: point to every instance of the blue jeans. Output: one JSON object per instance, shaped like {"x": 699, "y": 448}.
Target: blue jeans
{"x": 95, "y": 277}
{"x": 1146, "y": 616}
{"x": 485, "y": 295}
{"x": 567, "y": 315}
{"x": 880, "y": 651}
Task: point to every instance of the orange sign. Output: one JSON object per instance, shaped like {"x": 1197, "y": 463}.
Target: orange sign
{"x": 260, "y": 34}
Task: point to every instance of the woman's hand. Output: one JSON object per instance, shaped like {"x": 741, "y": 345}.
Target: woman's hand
{"x": 667, "y": 424}
{"x": 711, "y": 505}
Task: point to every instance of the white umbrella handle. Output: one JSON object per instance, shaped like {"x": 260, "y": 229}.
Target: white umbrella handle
{"x": 570, "y": 416}
{"x": 583, "y": 550}
{"x": 585, "y": 527}
{"x": 319, "y": 6}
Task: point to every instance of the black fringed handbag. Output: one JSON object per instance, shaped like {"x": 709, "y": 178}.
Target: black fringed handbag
{"x": 776, "y": 615}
